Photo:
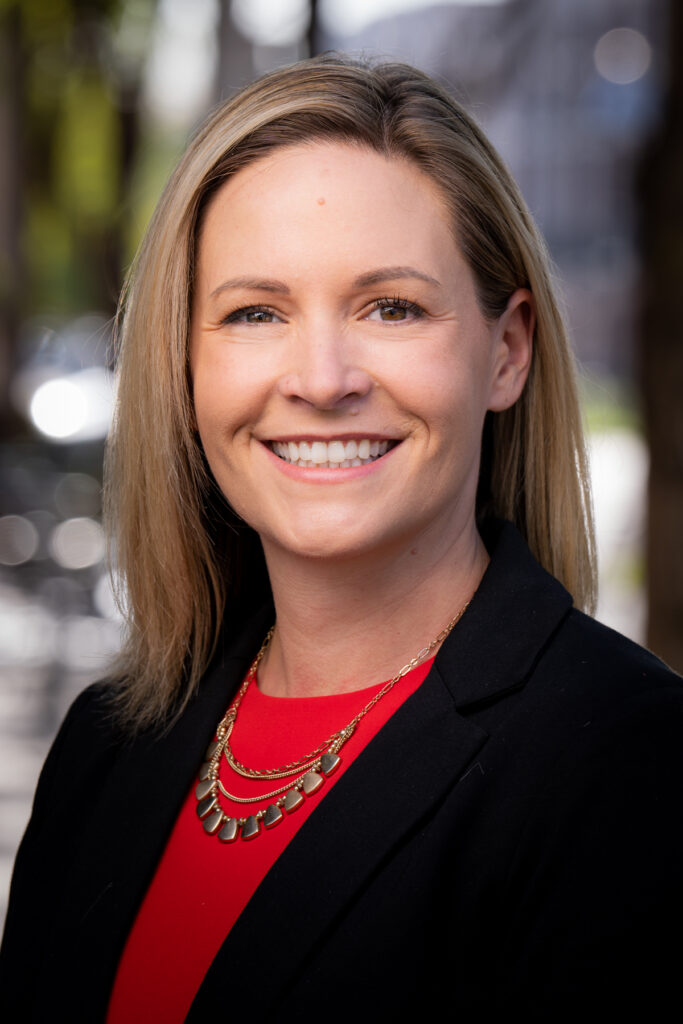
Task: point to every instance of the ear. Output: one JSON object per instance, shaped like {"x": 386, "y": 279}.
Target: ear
{"x": 514, "y": 335}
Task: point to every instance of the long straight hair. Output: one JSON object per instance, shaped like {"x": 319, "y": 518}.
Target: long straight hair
{"x": 183, "y": 560}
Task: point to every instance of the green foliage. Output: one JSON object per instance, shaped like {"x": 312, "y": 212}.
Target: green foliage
{"x": 78, "y": 103}
{"x": 48, "y": 242}
{"x": 86, "y": 154}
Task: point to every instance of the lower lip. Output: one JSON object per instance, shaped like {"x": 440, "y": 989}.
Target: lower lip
{"x": 324, "y": 475}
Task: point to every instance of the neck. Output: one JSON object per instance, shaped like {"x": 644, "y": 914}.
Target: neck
{"x": 345, "y": 625}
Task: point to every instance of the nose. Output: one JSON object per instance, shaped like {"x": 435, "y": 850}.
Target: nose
{"x": 325, "y": 370}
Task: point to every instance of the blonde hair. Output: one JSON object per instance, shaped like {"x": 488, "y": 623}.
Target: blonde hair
{"x": 183, "y": 559}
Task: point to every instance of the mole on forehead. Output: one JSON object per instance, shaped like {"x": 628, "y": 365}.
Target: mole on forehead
{"x": 321, "y": 200}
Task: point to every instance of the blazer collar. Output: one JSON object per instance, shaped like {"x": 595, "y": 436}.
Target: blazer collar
{"x": 515, "y": 610}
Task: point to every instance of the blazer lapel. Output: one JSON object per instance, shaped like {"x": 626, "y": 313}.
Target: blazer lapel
{"x": 516, "y": 609}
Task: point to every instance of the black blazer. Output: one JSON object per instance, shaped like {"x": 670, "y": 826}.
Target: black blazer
{"x": 511, "y": 840}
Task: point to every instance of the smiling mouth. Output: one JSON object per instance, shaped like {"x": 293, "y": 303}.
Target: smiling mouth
{"x": 331, "y": 454}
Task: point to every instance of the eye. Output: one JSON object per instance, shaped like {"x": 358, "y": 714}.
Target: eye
{"x": 252, "y": 315}
{"x": 394, "y": 311}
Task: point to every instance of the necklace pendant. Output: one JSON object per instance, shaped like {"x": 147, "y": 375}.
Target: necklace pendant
{"x": 312, "y": 783}
{"x": 251, "y": 827}
{"x": 205, "y": 807}
{"x": 213, "y": 822}
{"x": 329, "y": 764}
{"x": 293, "y": 800}
{"x": 229, "y": 832}
{"x": 203, "y": 789}
{"x": 273, "y": 816}
{"x": 205, "y": 771}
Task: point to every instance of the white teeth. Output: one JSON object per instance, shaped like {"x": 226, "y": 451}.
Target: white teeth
{"x": 330, "y": 454}
{"x": 318, "y": 452}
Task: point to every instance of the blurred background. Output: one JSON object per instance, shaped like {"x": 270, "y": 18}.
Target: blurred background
{"x": 97, "y": 100}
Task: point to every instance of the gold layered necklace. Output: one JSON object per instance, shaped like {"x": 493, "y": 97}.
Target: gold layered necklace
{"x": 305, "y": 776}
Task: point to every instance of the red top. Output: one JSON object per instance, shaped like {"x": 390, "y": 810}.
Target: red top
{"x": 202, "y": 885}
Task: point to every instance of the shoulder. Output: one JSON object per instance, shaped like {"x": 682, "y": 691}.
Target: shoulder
{"x": 523, "y": 651}
{"x": 595, "y": 701}
{"x": 87, "y": 741}
{"x": 589, "y": 675}
{"x": 84, "y": 751}
{"x": 527, "y": 632}
{"x": 590, "y": 647}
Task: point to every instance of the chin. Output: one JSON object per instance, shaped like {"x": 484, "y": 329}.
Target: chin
{"x": 338, "y": 540}
{"x": 320, "y": 548}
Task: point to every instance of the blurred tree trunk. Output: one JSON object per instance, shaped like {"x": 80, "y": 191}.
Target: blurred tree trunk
{"x": 313, "y": 31}
{"x": 661, "y": 358}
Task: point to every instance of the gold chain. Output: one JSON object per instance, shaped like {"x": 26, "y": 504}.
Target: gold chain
{"x": 333, "y": 742}
{"x": 261, "y": 796}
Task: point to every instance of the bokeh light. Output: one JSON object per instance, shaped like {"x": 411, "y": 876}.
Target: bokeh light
{"x": 78, "y": 543}
{"x": 18, "y": 540}
{"x": 622, "y": 55}
{"x": 58, "y": 408}
{"x": 75, "y": 406}
{"x": 271, "y": 22}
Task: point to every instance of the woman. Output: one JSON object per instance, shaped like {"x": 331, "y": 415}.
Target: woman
{"x": 340, "y": 295}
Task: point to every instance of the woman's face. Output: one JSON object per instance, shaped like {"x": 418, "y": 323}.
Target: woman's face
{"x": 341, "y": 365}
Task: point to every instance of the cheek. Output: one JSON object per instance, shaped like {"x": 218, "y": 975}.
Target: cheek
{"x": 216, "y": 420}
{"x": 223, "y": 398}
{"x": 448, "y": 394}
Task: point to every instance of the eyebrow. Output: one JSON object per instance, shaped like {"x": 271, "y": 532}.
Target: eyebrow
{"x": 392, "y": 274}
{"x": 261, "y": 284}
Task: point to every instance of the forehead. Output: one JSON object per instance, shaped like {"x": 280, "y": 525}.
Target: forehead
{"x": 324, "y": 196}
